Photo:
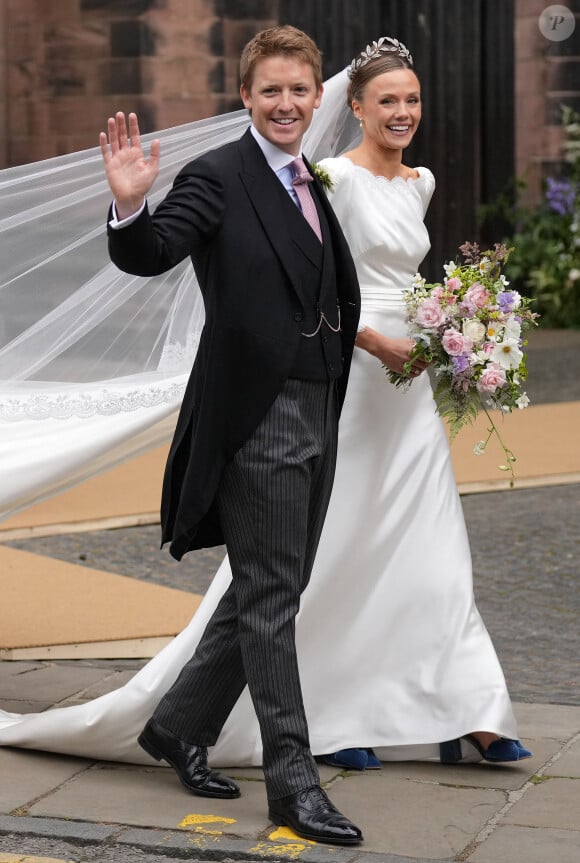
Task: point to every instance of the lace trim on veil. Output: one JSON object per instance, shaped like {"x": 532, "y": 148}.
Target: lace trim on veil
{"x": 104, "y": 402}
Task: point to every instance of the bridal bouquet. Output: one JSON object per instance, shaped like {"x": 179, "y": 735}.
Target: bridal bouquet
{"x": 469, "y": 328}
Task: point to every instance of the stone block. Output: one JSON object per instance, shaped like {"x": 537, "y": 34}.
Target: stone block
{"x": 565, "y": 48}
{"x": 232, "y": 75}
{"x": 174, "y": 112}
{"x": 121, "y": 76}
{"x": 118, "y": 7}
{"x": 216, "y": 77}
{"x": 530, "y": 79}
{"x": 528, "y": 40}
{"x": 554, "y": 104}
{"x": 530, "y": 8}
{"x": 48, "y": 682}
{"x": 74, "y": 54}
{"x": 241, "y": 9}
{"x": 18, "y": 118}
{"x": 550, "y": 803}
{"x": 187, "y": 9}
{"x": 28, "y": 775}
{"x": 132, "y": 38}
{"x": 153, "y": 797}
{"x": 226, "y": 104}
{"x": 568, "y": 764}
{"x": 528, "y": 845}
{"x": 564, "y": 74}
{"x": 216, "y": 38}
{"x": 177, "y": 78}
{"x": 57, "y": 13}
{"x": 238, "y": 33}
{"x": 414, "y": 818}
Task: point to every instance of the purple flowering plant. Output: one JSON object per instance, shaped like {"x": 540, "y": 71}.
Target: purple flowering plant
{"x": 545, "y": 236}
{"x": 470, "y": 329}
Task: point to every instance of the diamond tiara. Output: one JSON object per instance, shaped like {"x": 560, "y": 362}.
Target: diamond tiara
{"x": 375, "y": 49}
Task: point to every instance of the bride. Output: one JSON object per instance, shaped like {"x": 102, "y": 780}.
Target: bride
{"x": 409, "y": 670}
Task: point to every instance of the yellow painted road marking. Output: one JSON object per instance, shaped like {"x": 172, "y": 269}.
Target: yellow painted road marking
{"x": 19, "y": 858}
{"x": 287, "y": 833}
{"x": 292, "y": 849}
{"x": 198, "y": 821}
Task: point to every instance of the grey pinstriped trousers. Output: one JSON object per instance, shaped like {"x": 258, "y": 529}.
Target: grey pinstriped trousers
{"x": 272, "y": 499}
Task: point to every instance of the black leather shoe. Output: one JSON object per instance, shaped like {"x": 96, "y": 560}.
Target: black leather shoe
{"x": 189, "y": 762}
{"x": 311, "y": 815}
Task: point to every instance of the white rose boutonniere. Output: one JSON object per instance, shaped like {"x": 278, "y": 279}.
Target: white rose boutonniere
{"x": 322, "y": 176}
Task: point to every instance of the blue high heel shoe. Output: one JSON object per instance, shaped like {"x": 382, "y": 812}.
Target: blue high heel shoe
{"x": 373, "y": 763}
{"x": 499, "y": 751}
{"x": 349, "y": 759}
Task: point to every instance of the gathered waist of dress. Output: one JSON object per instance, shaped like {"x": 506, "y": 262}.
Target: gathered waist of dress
{"x": 381, "y": 297}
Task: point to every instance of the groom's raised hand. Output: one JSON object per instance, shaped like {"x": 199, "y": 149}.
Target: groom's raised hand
{"x": 129, "y": 173}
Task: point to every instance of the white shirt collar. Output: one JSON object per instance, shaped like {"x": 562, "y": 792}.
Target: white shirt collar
{"x": 275, "y": 157}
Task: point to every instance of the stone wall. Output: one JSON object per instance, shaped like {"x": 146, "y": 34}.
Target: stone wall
{"x": 66, "y": 65}
{"x": 3, "y": 90}
{"x": 547, "y": 75}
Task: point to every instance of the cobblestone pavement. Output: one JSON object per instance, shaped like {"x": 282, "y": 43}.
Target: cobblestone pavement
{"x": 525, "y": 546}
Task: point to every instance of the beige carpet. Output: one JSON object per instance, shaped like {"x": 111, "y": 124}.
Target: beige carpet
{"x": 55, "y": 609}
{"x": 73, "y": 611}
{"x": 544, "y": 438}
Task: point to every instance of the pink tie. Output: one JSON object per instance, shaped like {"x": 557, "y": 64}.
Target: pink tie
{"x": 300, "y": 183}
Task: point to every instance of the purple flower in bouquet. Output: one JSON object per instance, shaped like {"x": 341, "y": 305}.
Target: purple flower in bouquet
{"x": 506, "y": 301}
{"x": 460, "y": 364}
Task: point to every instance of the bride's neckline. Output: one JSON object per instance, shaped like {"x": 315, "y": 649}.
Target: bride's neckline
{"x": 394, "y": 179}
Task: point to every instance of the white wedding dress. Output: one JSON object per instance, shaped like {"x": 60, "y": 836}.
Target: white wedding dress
{"x": 393, "y": 652}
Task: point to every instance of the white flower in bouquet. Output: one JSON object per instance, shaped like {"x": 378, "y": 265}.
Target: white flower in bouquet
{"x": 474, "y": 330}
{"x": 507, "y": 354}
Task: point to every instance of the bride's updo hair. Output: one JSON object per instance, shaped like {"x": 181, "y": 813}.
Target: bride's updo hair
{"x": 385, "y": 55}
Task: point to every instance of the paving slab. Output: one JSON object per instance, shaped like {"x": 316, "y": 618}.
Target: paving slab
{"x": 44, "y": 682}
{"x": 27, "y": 775}
{"x": 555, "y": 721}
{"x": 550, "y": 803}
{"x": 568, "y": 764}
{"x": 528, "y": 845}
{"x": 123, "y": 794}
{"x": 415, "y": 818}
{"x": 481, "y": 774}
{"x": 108, "y": 682}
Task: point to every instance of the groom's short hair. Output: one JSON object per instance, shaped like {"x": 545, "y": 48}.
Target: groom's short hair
{"x": 284, "y": 40}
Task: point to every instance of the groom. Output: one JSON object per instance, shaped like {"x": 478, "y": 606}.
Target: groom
{"x": 252, "y": 459}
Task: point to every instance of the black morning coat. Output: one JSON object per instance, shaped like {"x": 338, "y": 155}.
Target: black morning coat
{"x": 227, "y": 210}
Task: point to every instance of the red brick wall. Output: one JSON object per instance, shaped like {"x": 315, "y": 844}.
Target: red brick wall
{"x": 3, "y": 89}
{"x": 66, "y": 65}
{"x": 547, "y": 74}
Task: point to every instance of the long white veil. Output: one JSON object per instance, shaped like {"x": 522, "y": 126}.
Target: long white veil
{"x": 93, "y": 362}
